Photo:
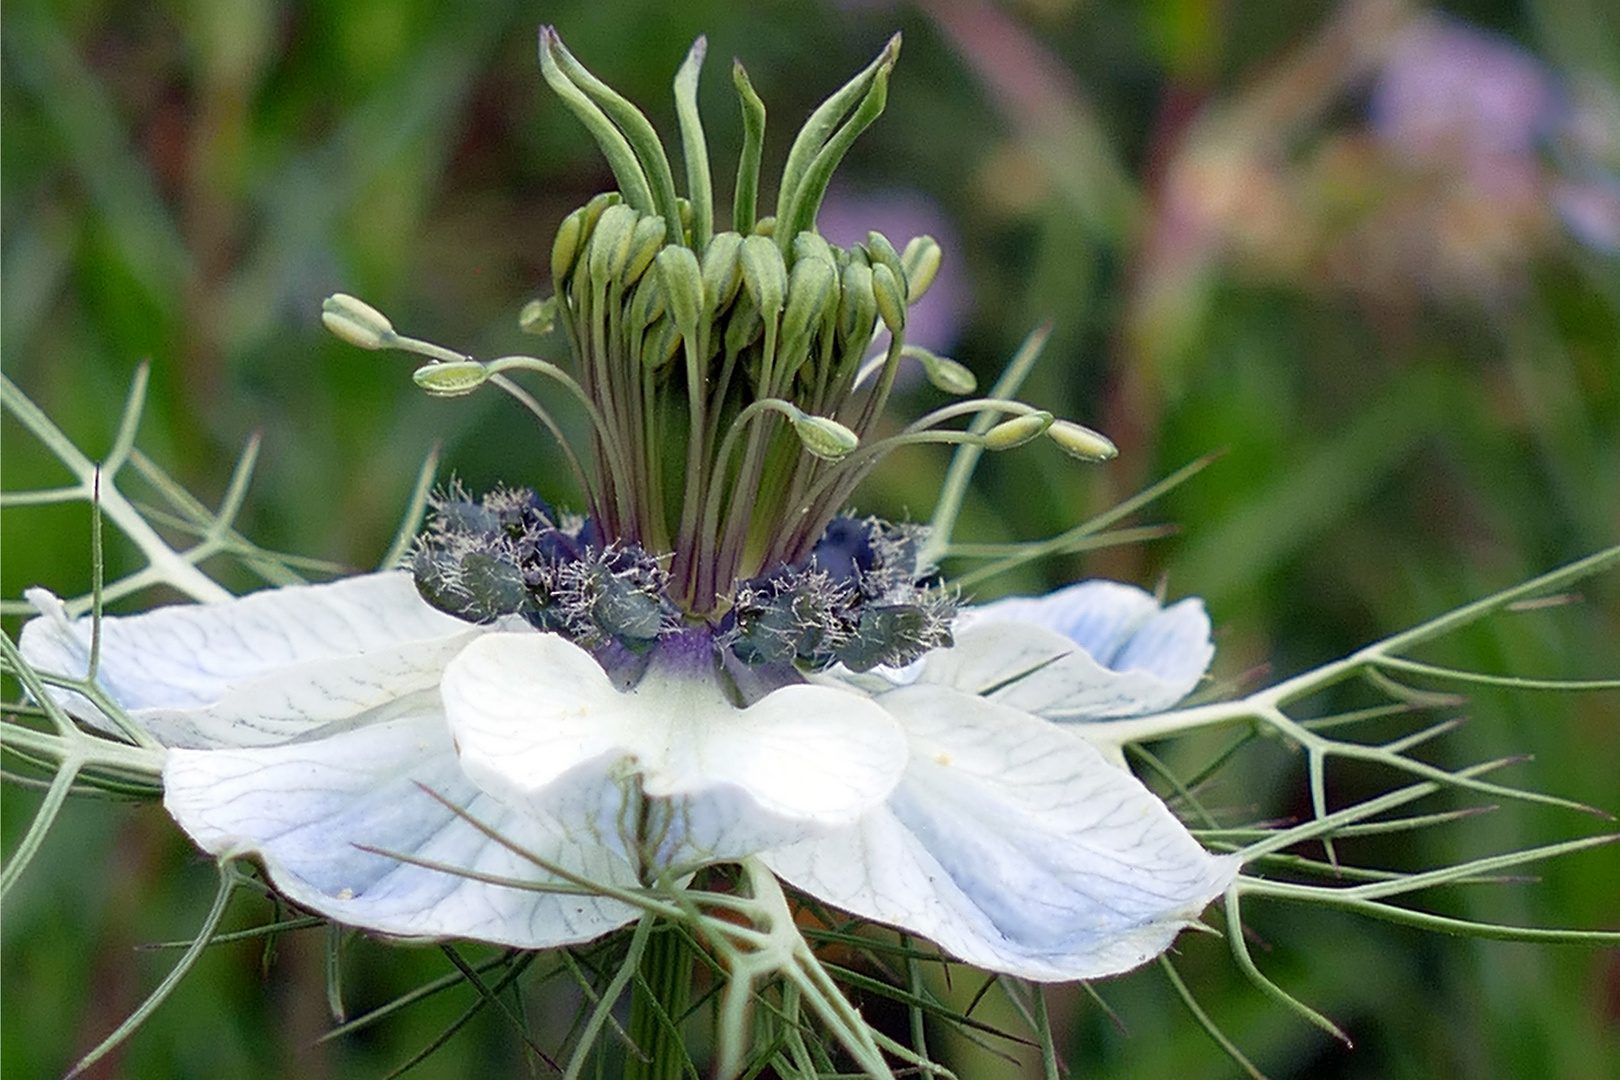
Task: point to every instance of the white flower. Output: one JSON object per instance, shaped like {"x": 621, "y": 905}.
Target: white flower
{"x": 317, "y": 728}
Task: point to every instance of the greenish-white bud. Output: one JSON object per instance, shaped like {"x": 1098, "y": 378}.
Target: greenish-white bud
{"x": 859, "y": 307}
{"x": 538, "y": 316}
{"x": 356, "y": 321}
{"x": 662, "y": 342}
{"x": 609, "y": 248}
{"x": 645, "y": 241}
{"x": 743, "y": 325}
{"x": 890, "y": 294}
{"x": 1017, "y": 431}
{"x": 647, "y": 303}
{"x": 1080, "y": 441}
{"x": 810, "y": 290}
{"x": 682, "y": 279}
{"x": 764, "y": 274}
{"x": 810, "y": 245}
{"x": 453, "y": 379}
{"x": 942, "y": 371}
{"x": 565, "y": 246}
{"x": 921, "y": 261}
{"x": 722, "y": 273}
{"x": 826, "y": 439}
{"x": 765, "y": 226}
{"x": 879, "y": 250}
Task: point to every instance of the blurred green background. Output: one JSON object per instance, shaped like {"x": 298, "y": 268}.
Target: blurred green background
{"x": 1366, "y": 249}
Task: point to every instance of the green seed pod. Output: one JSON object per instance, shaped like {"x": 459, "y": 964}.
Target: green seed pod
{"x": 645, "y": 241}
{"x": 765, "y": 274}
{"x": 880, "y": 251}
{"x": 811, "y": 287}
{"x": 826, "y": 439}
{"x": 661, "y": 343}
{"x": 682, "y": 280}
{"x": 722, "y": 273}
{"x": 454, "y": 379}
{"x": 921, "y": 261}
{"x": 1079, "y": 441}
{"x": 647, "y": 303}
{"x": 1017, "y": 431}
{"x": 809, "y": 245}
{"x": 858, "y": 309}
{"x": 565, "y": 247}
{"x": 889, "y": 292}
{"x": 743, "y": 325}
{"x": 356, "y": 321}
{"x": 609, "y": 247}
{"x": 945, "y": 373}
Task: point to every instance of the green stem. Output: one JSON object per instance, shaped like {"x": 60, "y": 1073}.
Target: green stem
{"x": 662, "y": 989}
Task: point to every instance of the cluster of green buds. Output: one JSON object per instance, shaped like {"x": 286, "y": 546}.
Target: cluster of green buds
{"x": 736, "y": 382}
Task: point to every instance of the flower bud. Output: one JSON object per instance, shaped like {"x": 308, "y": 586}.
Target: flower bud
{"x": 455, "y": 378}
{"x": 1017, "y": 431}
{"x": 1079, "y": 441}
{"x": 722, "y": 274}
{"x": 565, "y": 247}
{"x": 356, "y": 321}
{"x": 809, "y": 245}
{"x": 765, "y": 274}
{"x": 946, "y": 374}
{"x": 682, "y": 280}
{"x": 880, "y": 251}
{"x": 609, "y": 247}
{"x": 645, "y": 241}
{"x": 810, "y": 289}
{"x": 538, "y": 316}
{"x": 647, "y": 303}
{"x": 921, "y": 261}
{"x": 859, "y": 307}
{"x": 890, "y": 295}
{"x": 826, "y": 439}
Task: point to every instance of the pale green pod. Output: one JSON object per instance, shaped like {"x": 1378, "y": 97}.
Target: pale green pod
{"x": 811, "y": 287}
{"x": 826, "y": 439}
{"x": 1017, "y": 431}
{"x": 1079, "y": 441}
{"x": 647, "y": 303}
{"x": 945, "y": 373}
{"x": 682, "y": 280}
{"x": 356, "y": 321}
{"x": 609, "y": 246}
{"x": 921, "y": 261}
{"x": 858, "y": 308}
{"x": 722, "y": 273}
{"x": 764, "y": 274}
{"x": 890, "y": 294}
{"x": 456, "y": 378}
{"x": 645, "y": 241}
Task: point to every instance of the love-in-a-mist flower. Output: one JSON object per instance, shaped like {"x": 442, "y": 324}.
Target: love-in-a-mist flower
{"x": 716, "y": 660}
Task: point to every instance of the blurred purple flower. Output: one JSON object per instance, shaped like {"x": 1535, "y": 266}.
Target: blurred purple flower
{"x": 1452, "y": 96}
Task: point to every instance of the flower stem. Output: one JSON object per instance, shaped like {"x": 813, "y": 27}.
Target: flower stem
{"x": 663, "y": 986}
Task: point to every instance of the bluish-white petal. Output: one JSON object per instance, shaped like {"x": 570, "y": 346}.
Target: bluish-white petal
{"x": 306, "y": 810}
{"x": 1014, "y": 845}
{"x": 534, "y": 716}
{"x": 1122, "y": 627}
{"x": 191, "y": 655}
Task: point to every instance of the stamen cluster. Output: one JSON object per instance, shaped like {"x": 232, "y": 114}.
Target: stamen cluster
{"x": 855, "y": 600}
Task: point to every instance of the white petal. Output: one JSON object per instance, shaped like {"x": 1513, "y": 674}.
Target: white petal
{"x": 302, "y": 809}
{"x": 535, "y": 719}
{"x": 1122, "y": 627}
{"x": 192, "y": 654}
{"x": 1014, "y": 845}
